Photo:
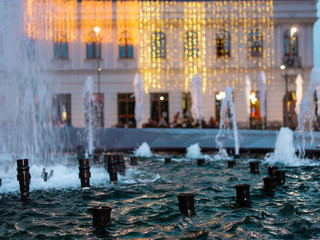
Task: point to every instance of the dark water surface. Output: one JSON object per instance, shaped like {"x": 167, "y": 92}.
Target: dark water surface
{"x": 145, "y": 205}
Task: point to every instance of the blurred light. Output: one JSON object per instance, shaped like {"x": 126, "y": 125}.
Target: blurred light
{"x": 282, "y": 67}
{"x": 161, "y": 98}
{"x": 97, "y": 30}
{"x": 253, "y": 98}
{"x": 220, "y": 96}
{"x": 293, "y": 30}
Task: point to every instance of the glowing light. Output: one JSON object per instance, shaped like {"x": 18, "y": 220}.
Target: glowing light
{"x": 220, "y": 96}
{"x": 282, "y": 67}
{"x": 293, "y": 30}
{"x": 161, "y": 98}
{"x": 97, "y": 30}
{"x": 253, "y": 98}
{"x": 133, "y": 22}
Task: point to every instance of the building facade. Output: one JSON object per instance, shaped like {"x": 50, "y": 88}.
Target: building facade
{"x": 168, "y": 43}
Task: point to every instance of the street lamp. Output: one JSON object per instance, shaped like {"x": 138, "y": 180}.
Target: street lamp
{"x": 97, "y": 30}
{"x": 286, "y": 113}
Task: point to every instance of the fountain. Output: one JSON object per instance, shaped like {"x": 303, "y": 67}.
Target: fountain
{"x": 89, "y": 111}
{"x": 307, "y": 109}
{"x": 247, "y": 93}
{"x": 262, "y": 86}
{"x": 25, "y": 97}
{"x": 194, "y": 151}
{"x": 143, "y": 151}
{"x": 227, "y": 107}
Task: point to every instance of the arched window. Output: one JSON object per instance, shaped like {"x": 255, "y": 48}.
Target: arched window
{"x": 158, "y": 45}
{"x": 291, "y": 43}
{"x": 125, "y": 45}
{"x": 60, "y": 47}
{"x": 191, "y": 44}
{"x": 255, "y": 43}
{"x": 93, "y": 46}
{"x": 223, "y": 43}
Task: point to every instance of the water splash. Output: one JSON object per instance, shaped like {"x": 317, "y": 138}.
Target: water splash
{"x": 285, "y": 152}
{"x": 262, "y": 86}
{"x": 299, "y": 92}
{"x": 143, "y": 151}
{"x": 89, "y": 111}
{"x": 25, "y": 93}
{"x": 194, "y": 151}
{"x": 227, "y": 107}
{"x": 247, "y": 93}
{"x": 307, "y": 109}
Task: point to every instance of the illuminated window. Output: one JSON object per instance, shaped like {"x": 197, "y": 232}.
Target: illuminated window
{"x": 223, "y": 43}
{"x": 191, "y": 44}
{"x": 61, "y": 110}
{"x": 126, "y": 105}
{"x": 159, "y": 106}
{"x": 255, "y": 43}
{"x": 125, "y": 45}
{"x": 186, "y": 104}
{"x": 290, "y": 43}
{"x": 158, "y": 45}
{"x": 93, "y": 46}
{"x": 219, "y": 97}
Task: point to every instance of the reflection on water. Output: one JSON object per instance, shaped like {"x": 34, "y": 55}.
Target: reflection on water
{"x": 145, "y": 204}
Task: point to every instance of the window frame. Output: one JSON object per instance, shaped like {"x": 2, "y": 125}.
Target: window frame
{"x": 254, "y": 48}
{"x": 158, "y": 50}
{"x": 192, "y": 52}
{"x": 126, "y": 37}
{"x": 226, "y": 50}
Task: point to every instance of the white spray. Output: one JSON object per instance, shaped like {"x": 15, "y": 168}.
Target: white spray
{"x": 227, "y": 103}
{"x": 88, "y": 110}
{"x": 307, "y": 108}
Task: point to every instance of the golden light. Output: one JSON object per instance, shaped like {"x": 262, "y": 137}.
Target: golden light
{"x": 96, "y": 30}
{"x": 293, "y": 30}
{"x": 134, "y": 22}
{"x": 253, "y": 98}
{"x": 220, "y": 96}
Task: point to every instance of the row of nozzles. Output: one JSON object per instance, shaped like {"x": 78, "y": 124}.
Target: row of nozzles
{"x": 113, "y": 163}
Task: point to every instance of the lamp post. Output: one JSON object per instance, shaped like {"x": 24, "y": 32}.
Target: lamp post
{"x": 286, "y": 113}
{"x": 97, "y": 30}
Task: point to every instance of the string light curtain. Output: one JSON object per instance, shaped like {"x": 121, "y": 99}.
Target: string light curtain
{"x": 70, "y": 20}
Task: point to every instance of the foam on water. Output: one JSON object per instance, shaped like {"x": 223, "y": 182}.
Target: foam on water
{"x": 143, "y": 151}
{"x": 285, "y": 152}
{"x": 67, "y": 177}
{"x": 194, "y": 151}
